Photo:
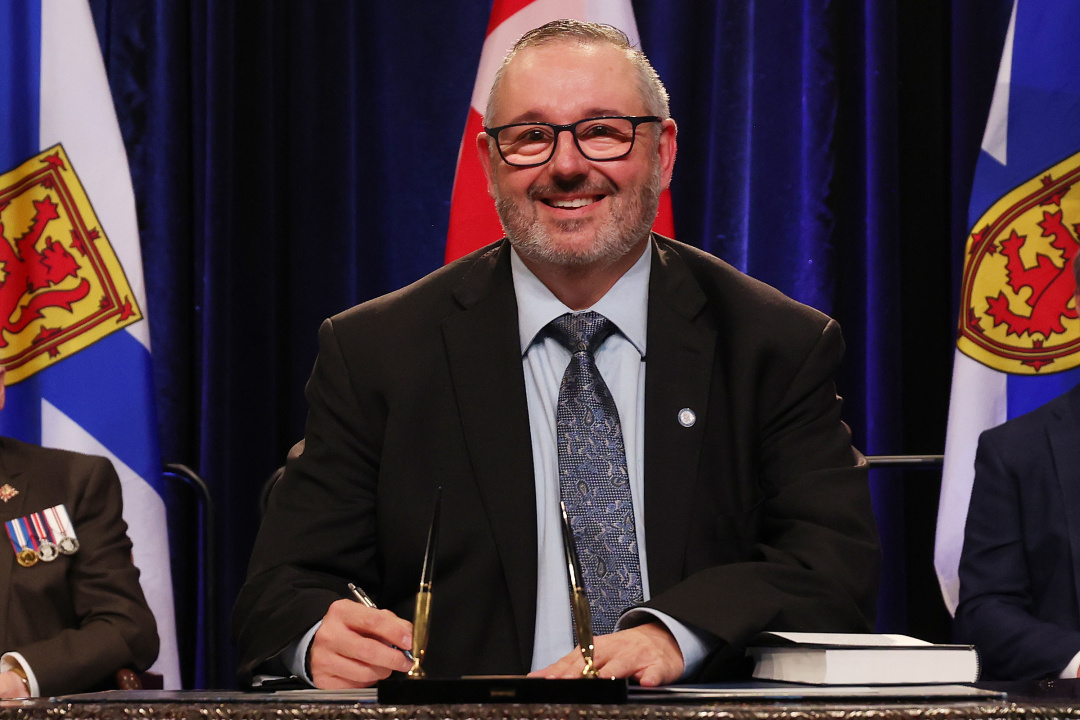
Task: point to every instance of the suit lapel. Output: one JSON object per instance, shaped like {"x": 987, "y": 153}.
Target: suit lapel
{"x": 679, "y": 357}
{"x": 10, "y": 473}
{"x": 1065, "y": 446}
{"x": 485, "y": 365}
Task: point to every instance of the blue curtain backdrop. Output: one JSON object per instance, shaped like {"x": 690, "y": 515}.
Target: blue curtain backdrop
{"x": 293, "y": 159}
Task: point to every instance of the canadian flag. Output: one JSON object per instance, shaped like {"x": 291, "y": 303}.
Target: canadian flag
{"x": 473, "y": 221}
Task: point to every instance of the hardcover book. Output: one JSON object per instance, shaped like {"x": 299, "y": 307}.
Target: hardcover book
{"x": 860, "y": 659}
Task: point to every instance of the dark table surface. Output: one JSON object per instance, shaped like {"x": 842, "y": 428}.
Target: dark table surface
{"x": 1022, "y": 701}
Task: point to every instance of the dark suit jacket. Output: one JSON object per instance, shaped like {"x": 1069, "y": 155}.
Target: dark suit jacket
{"x": 80, "y": 618}
{"x": 758, "y": 516}
{"x": 1018, "y": 578}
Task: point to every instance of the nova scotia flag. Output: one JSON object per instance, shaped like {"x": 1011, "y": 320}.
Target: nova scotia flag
{"x": 1019, "y": 336}
{"x": 76, "y": 341}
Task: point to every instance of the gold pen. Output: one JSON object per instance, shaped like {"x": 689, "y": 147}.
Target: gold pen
{"x": 579, "y": 600}
{"x": 422, "y": 615}
{"x": 363, "y": 598}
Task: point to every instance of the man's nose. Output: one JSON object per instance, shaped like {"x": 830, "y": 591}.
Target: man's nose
{"x": 567, "y": 160}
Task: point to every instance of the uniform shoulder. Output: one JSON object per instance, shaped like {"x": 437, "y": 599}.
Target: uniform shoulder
{"x": 11, "y": 445}
{"x": 30, "y": 456}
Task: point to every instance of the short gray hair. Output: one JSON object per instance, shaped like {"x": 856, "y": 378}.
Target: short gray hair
{"x": 652, "y": 89}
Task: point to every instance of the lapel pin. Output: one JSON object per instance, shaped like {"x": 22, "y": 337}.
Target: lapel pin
{"x": 7, "y": 492}
{"x": 687, "y": 417}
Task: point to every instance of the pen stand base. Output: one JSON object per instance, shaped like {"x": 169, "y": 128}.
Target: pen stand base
{"x": 500, "y": 689}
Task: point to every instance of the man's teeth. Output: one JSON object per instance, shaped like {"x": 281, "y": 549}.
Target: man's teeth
{"x": 575, "y": 203}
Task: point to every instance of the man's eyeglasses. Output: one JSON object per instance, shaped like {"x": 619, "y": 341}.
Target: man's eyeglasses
{"x": 599, "y": 139}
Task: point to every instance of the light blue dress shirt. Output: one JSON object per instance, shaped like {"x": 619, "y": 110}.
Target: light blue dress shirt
{"x": 621, "y": 362}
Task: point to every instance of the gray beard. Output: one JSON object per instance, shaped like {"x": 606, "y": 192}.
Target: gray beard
{"x": 631, "y": 222}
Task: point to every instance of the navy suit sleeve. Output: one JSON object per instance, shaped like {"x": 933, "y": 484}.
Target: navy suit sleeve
{"x": 1015, "y": 568}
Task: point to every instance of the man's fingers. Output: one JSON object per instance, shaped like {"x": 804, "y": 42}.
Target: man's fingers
{"x": 352, "y": 647}
{"x": 363, "y": 663}
{"x": 350, "y": 673}
{"x": 650, "y": 677}
{"x": 568, "y": 666}
{"x": 367, "y": 650}
{"x": 648, "y": 653}
{"x": 370, "y": 622}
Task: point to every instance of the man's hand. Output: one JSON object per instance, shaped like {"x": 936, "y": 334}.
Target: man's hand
{"x": 12, "y": 686}
{"x": 647, "y": 653}
{"x": 352, "y": 646}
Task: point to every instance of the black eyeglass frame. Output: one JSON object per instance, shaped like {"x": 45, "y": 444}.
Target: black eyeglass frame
{"x": 635, "y": 120}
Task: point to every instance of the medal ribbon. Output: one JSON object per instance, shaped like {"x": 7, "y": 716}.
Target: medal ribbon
{"x": 60, "y": 521}
{"x": 31, "y": 538}
{"x": 41, "y": 527}
{"x": 14, "y": 532}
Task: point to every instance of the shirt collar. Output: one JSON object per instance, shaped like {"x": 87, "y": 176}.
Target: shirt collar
{"x": 626, "y": 304}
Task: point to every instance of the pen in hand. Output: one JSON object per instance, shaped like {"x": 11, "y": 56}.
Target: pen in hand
{"x": 362, "y": 598}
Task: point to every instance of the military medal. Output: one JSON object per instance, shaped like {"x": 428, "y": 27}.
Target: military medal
{"x": 47, "y": 549}
{"x": 68, "y": 545}
{"x": 60, "y": 524}
{"x": 24, "y": 554}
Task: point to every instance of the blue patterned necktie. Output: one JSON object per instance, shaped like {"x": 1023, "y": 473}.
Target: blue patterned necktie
{"x": 593, "y": 479}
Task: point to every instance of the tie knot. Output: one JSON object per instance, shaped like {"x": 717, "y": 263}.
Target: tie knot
{"x": 579, "y": 332}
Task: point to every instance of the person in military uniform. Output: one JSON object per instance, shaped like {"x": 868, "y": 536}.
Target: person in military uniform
{"x": 72, "y": 612}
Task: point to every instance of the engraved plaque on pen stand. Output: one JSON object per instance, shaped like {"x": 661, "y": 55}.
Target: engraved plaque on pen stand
{"x": 417, "y": 688}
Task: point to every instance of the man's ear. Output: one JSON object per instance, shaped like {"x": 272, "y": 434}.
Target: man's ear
{"x": 483, "y": 153}
{"x": 666, "y": 148}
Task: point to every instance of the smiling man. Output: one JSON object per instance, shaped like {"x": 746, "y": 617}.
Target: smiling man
{"x": 683, "y": 412}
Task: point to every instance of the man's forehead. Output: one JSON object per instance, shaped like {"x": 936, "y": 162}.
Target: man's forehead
{"x": 593, "y": 78}
{"x": 569, "y": 55}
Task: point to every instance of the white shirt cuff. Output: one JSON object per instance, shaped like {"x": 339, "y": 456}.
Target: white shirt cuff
{"x": 694, "y": 644}
{"x": 295, "y": 655}
{"x": 1072, "y": 668}
{"x": 15, "y": 660}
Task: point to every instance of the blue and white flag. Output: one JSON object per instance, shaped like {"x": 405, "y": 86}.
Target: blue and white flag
{"x": 73, "y": 331}
{"x": 1018, "y": 340}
